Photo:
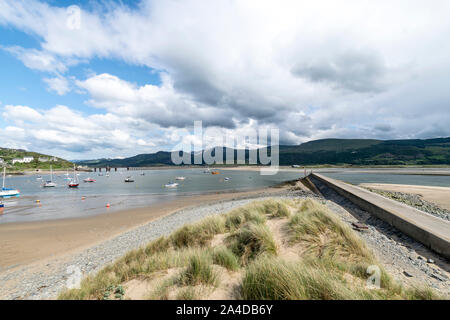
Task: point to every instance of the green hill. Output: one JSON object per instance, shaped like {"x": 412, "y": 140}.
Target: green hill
{"x": 364, "y": 152}
{"x": 40, "y": 161}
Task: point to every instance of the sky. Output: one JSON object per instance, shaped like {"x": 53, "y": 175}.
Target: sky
{"x": 94, "y": 79}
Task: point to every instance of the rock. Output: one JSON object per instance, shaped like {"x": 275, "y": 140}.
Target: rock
{"x": 430, "y": 260}
{"x": 420, "y": 258}
{"x": 406, "y": 273}
{"x": 438, "y": 277}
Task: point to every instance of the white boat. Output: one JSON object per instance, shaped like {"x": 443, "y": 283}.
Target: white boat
{"x": 171, "y": 185}
{"x": 226, "y": 178}
{"x": 50, "y": 183}
{"x": 7, "y": 192}
{"x": 180, "y": 178}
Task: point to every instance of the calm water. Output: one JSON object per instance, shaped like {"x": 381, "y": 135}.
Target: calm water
{"x": 62, "y": 202}
{"x": 380, "y": 177}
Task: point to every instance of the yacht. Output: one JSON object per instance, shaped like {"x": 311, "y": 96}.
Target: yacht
{"x": 7, "y": 192}
{"x": 50, "y": 183}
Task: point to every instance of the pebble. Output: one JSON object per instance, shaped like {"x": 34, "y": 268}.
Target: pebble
{"x": 406, "y": 273}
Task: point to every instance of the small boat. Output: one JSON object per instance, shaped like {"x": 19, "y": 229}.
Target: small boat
{"x": 74, "y": 182}
{"x": 50, "y": 183}
{"x": 215, "y": 172}
{"x": 89, "y": 180}
{"x": 180, "y": 178}
{"x": 100, "y": 174}
{"x": 129, "y": 179}
{"x": 226, "y": 178}
{"x": 7, "y": 192}
{"x": 171, "y": 185}
{"x": 107, "y": 175}
{"x": 2, "y": 207}
{"x": 142, "y": 173}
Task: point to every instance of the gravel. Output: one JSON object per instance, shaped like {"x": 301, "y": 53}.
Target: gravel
{"x": 414, "y": 200}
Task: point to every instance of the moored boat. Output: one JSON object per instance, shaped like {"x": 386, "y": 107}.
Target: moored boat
{"x": 171, "y": 185}
{"x": 129, "y": 179}
{"x": 7, "y": 192}
{"x": 73, "y": 182}
{"x": 50, "y": 183}
{"x": 89, "y": 180}
{"x": 180, "y": 178}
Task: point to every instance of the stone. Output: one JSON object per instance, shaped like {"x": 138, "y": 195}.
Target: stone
{"x": 406, "y": 273}
{"x": 430, "y": 260}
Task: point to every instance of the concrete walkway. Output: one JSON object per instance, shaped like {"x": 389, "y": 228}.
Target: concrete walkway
{"x": 423, "y": 227}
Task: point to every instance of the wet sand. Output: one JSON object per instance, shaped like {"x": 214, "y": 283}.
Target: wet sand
{"x": 25, "y": 243}
{"x": 437, "y": 195}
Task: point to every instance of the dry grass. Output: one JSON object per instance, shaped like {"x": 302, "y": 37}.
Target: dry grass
{"x": 331, "y": 262}
{"x": 251, "y": 241}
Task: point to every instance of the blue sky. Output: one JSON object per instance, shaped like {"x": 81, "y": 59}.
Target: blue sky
{"x": 118, "y": 78}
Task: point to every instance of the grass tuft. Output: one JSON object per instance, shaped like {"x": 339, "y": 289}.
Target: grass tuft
{"x": 198, "y": 234}
{"x": 224, "y": 257}
{"x": 199, "y": 271}
{"x": 325, "y": 235}
{"x": 251, "y": 241}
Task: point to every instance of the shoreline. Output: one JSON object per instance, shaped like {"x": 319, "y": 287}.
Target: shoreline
{"x": 439, "y": 196}
{"x": 412, "y": 170}
{"x": 44, "y": 278}
{"x": 29, "y": 242}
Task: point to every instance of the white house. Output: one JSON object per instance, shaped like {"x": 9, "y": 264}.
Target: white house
{"x": 43, "y": 159}
{"x": 2, "y": 162}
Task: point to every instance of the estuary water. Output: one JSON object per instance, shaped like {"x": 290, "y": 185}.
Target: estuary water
{"x": 91, "y": 198}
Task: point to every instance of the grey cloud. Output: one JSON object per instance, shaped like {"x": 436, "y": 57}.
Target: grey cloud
{"x": 351, "y": 70}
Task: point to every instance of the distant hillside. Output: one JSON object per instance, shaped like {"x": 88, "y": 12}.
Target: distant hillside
{"x": 366, "y": 152}
{"x": 40, "y": 161}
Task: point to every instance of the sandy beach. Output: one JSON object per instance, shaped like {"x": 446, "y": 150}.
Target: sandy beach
{"x": 437, "y": 195}
{"x": 25, "y": 243}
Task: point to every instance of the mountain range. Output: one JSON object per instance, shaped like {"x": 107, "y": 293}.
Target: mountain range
{"x": 363, "y": 152}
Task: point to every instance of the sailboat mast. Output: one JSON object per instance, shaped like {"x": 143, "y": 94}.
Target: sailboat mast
{"x": 4, "y": 176}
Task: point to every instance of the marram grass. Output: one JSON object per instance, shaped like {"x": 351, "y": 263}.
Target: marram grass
{"x": 332, "y": 262}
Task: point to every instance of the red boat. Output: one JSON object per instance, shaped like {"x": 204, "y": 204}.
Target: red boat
{"x": 74, "y": 182}
{"x": 89, "y": 180}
